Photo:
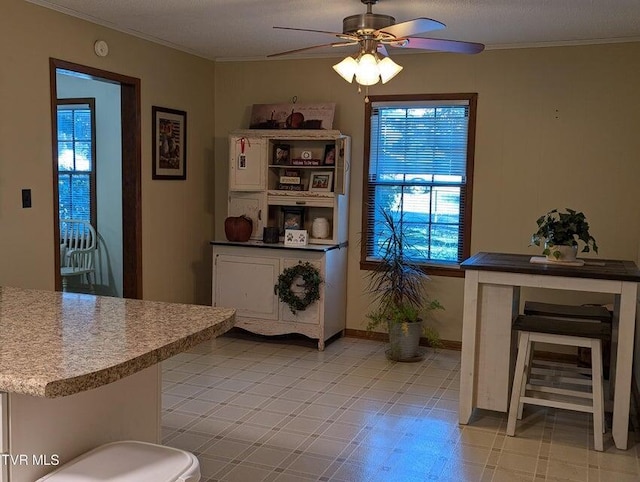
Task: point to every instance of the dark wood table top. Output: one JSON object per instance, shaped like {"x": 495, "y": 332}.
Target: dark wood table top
{"x": 610, "y": 269}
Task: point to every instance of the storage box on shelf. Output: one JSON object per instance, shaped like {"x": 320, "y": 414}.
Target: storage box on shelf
{"x": 260, "y": 160}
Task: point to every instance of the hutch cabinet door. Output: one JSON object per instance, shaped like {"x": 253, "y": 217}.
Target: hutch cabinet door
{"x": 247, "y": 165}
{"x": 311, "y": 314}
{"x": 341, "y": 183}
{"x": 252, "y": 205}
{"x": 246, "y": 284}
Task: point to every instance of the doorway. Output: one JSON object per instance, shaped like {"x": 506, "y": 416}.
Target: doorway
{"x": 130, "y": 183}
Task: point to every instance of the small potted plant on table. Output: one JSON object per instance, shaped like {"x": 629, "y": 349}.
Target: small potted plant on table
{"x": 397, "y": 284}
{"x": 561, "y": 233}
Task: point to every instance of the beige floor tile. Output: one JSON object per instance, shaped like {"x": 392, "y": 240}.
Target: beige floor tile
{"x": 258, "y": 410}
{"x": 517, "y": 462}
{"x": 561, "y": 470}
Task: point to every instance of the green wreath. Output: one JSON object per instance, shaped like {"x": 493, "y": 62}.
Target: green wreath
{"x": 312, "y": 279}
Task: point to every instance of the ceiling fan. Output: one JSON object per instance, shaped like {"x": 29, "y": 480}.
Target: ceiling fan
{"x": 373, "y": 32}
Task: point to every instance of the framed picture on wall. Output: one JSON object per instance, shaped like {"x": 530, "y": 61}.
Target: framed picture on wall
{"x": 169, "y": 143}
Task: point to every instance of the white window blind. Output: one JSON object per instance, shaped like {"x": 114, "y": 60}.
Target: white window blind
{"x": 75, "y": 162}
{"x": 418, "y": 171}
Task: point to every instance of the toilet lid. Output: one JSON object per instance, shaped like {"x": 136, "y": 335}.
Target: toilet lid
{"x": 129, "y": 461}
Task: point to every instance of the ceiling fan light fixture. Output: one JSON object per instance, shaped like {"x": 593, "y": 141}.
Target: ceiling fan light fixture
{"x": 388, "y": 69}
{"x": 347, "y": 68}
{"x": 367, "y": 73}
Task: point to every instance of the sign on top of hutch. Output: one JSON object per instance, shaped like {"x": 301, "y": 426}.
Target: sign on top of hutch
{"x": 279, "y": 175}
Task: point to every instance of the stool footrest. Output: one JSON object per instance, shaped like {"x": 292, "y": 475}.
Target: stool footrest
{"x": 556, "y": 403}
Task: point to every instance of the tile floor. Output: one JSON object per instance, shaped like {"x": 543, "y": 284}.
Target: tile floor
{"x": 255, "y": 410}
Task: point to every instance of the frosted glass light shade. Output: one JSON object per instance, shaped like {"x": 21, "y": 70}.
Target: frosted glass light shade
{"x": 367, "y": 69}
{"x": 367, "y": 73}
{"x": 347, "y": 68}
{"x": 388, "y": 69}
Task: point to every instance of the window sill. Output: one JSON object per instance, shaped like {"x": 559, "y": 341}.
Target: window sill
{"x": 450, "y": 270}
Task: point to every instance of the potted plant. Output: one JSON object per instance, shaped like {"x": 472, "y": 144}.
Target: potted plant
{"x": 397, "y": 285}
{"x": 561, "y": 233}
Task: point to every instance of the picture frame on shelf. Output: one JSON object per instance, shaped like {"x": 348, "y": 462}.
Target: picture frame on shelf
{"x": 281, "y": 154}
{"x": 169, "y": 134}
{"x": 329, "y": 155}
{"x": 292, "y": 218}
{"x": 320, "y": 181}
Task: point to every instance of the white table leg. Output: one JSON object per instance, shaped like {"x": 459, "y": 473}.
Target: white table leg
{"x": 624, "y": 362}
{"x": 469, "y": 337}
{"x": 496, "y": 309}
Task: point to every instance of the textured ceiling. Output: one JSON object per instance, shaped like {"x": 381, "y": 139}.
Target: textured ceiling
{"x": 242, "y": 29}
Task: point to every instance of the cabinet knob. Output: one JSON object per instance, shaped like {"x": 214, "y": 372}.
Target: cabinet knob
{"x": 260, "y": 215}
{"x": 301, "y": 202}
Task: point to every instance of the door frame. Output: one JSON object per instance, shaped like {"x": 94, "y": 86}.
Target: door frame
{"x": 131, "y": 171}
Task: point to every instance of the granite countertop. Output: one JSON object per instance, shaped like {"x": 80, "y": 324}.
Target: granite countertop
{"x": 54, "y": 344}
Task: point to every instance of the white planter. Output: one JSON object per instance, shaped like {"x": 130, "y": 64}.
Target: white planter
{"x": 567, "y": 253}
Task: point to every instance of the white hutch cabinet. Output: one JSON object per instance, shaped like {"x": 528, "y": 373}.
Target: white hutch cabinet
{"x": 272, "y": 172}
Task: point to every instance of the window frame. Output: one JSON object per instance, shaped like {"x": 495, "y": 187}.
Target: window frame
{"x": 433, "y": 268}
{"x": 68, "y": 103}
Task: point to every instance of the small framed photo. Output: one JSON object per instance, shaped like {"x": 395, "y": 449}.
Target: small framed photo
{"x": 281, "y": 154}
{"x": 320, "y": 181}
{"x": 169, "y": 143}
{"x": 329, "y": 155}
{"x": 292, "y": 218}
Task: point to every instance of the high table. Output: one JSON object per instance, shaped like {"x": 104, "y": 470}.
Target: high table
{"x": 492, "y": 299}
{"x": 78, "y": 371}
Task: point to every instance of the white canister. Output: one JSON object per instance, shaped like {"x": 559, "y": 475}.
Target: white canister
{"x": 320, "y": 228}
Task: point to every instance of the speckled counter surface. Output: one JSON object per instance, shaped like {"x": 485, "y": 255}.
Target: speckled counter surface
{"x": 54, "y": 344}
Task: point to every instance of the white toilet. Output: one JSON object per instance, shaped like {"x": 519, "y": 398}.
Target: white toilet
{"x": 129, "y": 461}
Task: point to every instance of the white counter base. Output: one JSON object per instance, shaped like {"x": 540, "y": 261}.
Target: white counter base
{"x": 38, "y": 427}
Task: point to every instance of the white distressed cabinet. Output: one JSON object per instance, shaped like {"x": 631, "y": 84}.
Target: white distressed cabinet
{"x": 244, "y": 276}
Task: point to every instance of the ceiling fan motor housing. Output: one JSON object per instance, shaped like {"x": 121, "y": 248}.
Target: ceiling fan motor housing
{"x": 366, "y": 23}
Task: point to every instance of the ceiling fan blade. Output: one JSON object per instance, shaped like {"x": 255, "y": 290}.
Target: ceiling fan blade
{"x": 383, "y": 50}
{"x": 295, "y": 51}
{"x": 441, "y": 45}
{"x": 309, "y": 30}
{"x": 412, "y": 27}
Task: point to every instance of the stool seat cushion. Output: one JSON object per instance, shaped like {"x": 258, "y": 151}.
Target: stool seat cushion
{"x": 561, "y": 326}
{"x": 599, "y": 313}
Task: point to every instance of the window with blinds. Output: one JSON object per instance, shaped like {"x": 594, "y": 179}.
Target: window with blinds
{"x": 420, "y": 164}
{"x": 76, "y": 161}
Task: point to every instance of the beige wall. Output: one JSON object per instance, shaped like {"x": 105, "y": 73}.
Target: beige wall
{"x": 177, "y": 217}
{"x": 557, "y": 127}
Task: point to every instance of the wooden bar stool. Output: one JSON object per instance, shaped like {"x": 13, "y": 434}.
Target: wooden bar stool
{"x": 556, "y": 385}
{"x": 592, "y": 313}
